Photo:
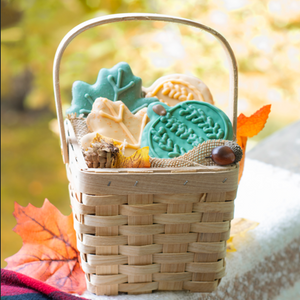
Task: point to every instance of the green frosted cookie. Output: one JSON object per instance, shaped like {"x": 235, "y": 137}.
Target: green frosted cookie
{"x": 117, "y": 83}
{"x": 173, "y": 131}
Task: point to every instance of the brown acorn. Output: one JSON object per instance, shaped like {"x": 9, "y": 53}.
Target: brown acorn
{"x": 230, "y": 153}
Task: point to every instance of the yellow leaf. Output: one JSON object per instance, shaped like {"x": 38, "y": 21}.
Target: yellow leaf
{"x": 99, "y": 138}
{"x": 239, "y": 227}
{"x": 139, "y": 159}
{"x": 230, "y": 247}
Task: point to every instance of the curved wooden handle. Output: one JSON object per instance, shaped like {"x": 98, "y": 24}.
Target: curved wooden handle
{"x": 233, "y": 73}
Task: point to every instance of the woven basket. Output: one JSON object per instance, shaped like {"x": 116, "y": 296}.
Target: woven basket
{"x": 142, "y": 230}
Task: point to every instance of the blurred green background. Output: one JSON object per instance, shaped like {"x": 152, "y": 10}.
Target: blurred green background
{"x": 265, "y": 36}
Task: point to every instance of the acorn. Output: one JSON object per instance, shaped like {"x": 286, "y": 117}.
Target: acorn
{"x": 230, "y": 153}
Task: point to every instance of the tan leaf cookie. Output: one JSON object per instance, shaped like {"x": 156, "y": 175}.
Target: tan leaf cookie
{"x": 115, "y": 121}
{"x": 175, "y": 88}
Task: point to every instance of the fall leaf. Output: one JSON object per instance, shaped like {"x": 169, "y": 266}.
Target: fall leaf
{"x": 117, "y": 83}
{"x": 49, "y": 249}
{"x": 239, "y": 227}
{"x": 242, "y": 141}
{"x": 229, "y": 245}
{"x": 140, "y": 159}
{"x": 115, "y": 121}
{"x": 248, "y": 127}
{"x": 99, "y": 139}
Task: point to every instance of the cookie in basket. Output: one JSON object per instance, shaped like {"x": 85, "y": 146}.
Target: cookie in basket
{"x": 115, "y": 121}
{"x": 173, "y": 131}
{"x": 175, "y": 88}
{"x": 117, "y": 83}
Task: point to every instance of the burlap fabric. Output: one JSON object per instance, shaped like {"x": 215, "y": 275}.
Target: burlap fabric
{"x": 79, "y": 126}
{"x": 195, "y": 157}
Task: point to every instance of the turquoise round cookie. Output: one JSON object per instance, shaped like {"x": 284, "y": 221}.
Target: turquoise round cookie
{"x": 183, "y": 127}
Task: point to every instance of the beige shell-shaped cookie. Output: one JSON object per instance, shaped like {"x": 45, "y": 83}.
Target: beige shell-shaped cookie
{"x": 115, "y": 121}
{"x": 175, "y": 88}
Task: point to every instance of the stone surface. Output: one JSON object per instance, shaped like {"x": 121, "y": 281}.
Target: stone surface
{"x": 281, "y": 149}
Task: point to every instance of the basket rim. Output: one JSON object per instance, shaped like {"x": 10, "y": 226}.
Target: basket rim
{"x": 185, "y": 170}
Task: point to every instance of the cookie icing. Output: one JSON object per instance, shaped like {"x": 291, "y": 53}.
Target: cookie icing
{"x": 114, "y": 120}
{"x": 117, "y": 83}
{"x": 184, "y": 127}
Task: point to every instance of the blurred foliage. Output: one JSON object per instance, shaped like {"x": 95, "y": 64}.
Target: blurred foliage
{"x": 32, "y": 170}
{"x": 265, "y": 36}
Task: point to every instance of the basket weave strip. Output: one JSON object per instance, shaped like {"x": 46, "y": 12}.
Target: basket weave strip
{"x": 142, "y": 243}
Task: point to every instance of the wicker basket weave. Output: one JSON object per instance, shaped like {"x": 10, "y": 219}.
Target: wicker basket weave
{"x": 141, "y": 230}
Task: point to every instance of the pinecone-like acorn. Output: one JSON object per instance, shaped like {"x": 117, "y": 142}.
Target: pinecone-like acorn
{"x": 230, "y": 153}
{"x": 100, "y": 155}
{"x": 91, "y": 158}
{"x": 237, "y": 150}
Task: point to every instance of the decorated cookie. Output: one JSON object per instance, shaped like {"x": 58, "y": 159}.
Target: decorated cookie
{"x": 117, "y": 83}
{"x": 115, "y": 121}
{"x": 175, "y": 88}
{"x": 173, "y": 131}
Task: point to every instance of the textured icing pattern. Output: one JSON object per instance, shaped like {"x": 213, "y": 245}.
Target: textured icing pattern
{"x": 184, "y": 127}
{"x": 117, "y": 83}
{"x": 176, "y": 92}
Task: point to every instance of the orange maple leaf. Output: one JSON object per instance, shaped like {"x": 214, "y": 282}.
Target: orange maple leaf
{"x": 248, "y": 127}
{"x": 49, "y": 249}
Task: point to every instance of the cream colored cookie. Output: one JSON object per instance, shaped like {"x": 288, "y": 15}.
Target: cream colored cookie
{"x": 115, "y": 121}
{"x": 175, "y": 88}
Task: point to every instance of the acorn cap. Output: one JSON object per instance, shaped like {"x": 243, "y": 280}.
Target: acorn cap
{"x": 237, "y": 150}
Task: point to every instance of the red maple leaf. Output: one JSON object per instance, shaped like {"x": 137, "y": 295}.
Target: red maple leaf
{"x": 49, "y": 249}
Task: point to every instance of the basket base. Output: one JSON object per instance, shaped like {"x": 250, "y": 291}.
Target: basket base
{"x": 145, "y": 243}
{"x": 148, "y": 288}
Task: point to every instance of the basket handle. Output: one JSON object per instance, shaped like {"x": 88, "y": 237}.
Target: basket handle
{"x": 233, "y": 73}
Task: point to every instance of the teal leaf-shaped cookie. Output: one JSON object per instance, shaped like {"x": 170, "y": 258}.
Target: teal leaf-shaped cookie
{"x": 117, "y": 83}
{"x": 183, "y": 127}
